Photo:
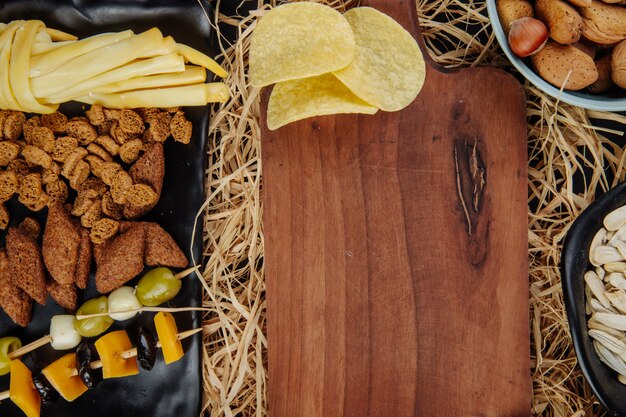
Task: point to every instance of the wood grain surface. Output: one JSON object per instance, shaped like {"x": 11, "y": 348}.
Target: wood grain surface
{"x": 396, "y": 254}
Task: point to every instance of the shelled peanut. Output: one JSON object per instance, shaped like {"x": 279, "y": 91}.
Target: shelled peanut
{"x": 574, "y": 44}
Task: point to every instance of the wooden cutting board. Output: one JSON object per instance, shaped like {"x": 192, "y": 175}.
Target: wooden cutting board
{"x": 396, "y": 253}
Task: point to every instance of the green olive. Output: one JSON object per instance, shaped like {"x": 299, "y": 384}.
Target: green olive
{"x": 7, "y": 345}
{"x": 158, "y": 286}
{"x": 93, "y": 326}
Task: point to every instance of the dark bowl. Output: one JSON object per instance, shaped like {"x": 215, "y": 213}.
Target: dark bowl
{"x": 574, "y": 263}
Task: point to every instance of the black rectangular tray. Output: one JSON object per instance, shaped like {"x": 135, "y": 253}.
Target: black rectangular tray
{"x": 165, "y": 391}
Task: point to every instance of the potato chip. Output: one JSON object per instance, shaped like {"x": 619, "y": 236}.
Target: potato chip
{"x": 308, "y": 97}
{"x": 299, "y": 40}
{"x": 388, "y": 69}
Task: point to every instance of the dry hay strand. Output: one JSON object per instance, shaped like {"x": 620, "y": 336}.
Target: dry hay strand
{"x": 570, "y": 162}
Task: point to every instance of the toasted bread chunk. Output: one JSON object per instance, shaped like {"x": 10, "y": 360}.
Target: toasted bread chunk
{"x": 112, "y": 114}
{"x": 77, "y": 155}
{"x": 130, "y": 122}
{"x": 20, "y": 168}
{"x": 4, "y": 217}
{"x": 30, "y": 189}
{"x": 57, "y": 191}
{"x": 9, "y": 151}
{"x": 121, "y": 184}
{"x": 63, "y": 148}
{"x": 80, "y": 129}
{"x": 92, "y": 215}
{"x": 141, "y": 199}
{"x": 15, "y": 302}
{"x": 120, "y": 260}
{"x": 3, "y": 117}
{"x": 36, "y": 156}
{"x": 95, "y": 164}
{"x": 120, "y": 135}
{"x": 34, "y": 121}
{"x": 79, "y": 175}
{"x": 109, "y": 144}
{"x": 106, "y": 127}
{"x": 31, "y": 226}
{"x": 161, "y": 249}
{"x": 41, "y": 137}
{"x": 61, "y": 241}
{"x": 82, "y": 202}
{"x": 26, "y": 261}
{"x": 110, "y": 208}
{"x": 95, "y": 115}
{"x": 150, "y": 168}
{"x": 65, "y": 295}
{"x": 159, "y": 129}
{"x": 9, "y": 184}
{"x": 13, "y": 125}
{"x": 129, "y": 152}
{"x": 95, "y": 184}
{"x": 98, "y": 150}
{"x": 84, "y": 259}
{"x": 181, "y": 128}
{"x": 171, "y": 109}
{"x": 51, "y": 174}
{"x": 39, "y": 204}
{"x": 147, "y": 113}
{"x": 57, "y": 122}
{"x": 103, "y": 230}
{"x": 108, "y": 172}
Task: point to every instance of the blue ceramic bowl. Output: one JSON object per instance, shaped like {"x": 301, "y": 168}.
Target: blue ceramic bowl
{"x": 582, "y": 99}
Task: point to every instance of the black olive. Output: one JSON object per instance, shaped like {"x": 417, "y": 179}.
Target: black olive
{"x": 85, "y": 354}
{"x": 146, "y": 348}
{"x": 46, "y": 392}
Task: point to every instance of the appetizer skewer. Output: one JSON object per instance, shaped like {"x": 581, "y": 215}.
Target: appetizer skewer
{"x": 71, "y": 374}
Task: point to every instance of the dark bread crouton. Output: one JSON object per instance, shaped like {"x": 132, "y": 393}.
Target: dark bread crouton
{"x": 108, "y": 171}
{"x": 31, "y": 226}
{"x": 82, "y": 130}
{"x": 35, "y": 156}
{"x": 84, "y": 259}
{"x": 63, "y": 147}
{"x": 41, "y": 137}
{"x": 110, "y": 208}
{"x": 30, "y": 189}
{"x": 57, "y": 122}
{"x": 34, "y": 121}
{"x": 141, "y": 198}
{"x": 77, "y": 155}
{"x": 119, "y": 260}
{"x": 57, "y": 191}
{"x": 61, "y": 242}
{"x": 92, "y": 215}
{"x": 150, "y": 168}
{"x": 129, "y": 152}
{"x": 181, "y": 128}
{"x": 159, "y": 128}
{"x": 80, "y": 174}
{"x": 103, "y": 230}
{"x": 95, "y": 115}
{"x": 26, "y": 262}
{"x": 9, "y": 184}
{"x": 121, "y": 184}
{"x": 120, "y": 135}
{"x": 96, "y": 186}
{"x": 109, "y": 144}
{"x": 15, "y": 302}
{"x": 9, "y": 151}
{"x": 98, "y": 150}
{"x": 65, "y": 295}
{"x": 161, "y": 248}
{"x": 130, "y": 122}
{"x": 13, "y": 125}
{"x": 95, "y": 164}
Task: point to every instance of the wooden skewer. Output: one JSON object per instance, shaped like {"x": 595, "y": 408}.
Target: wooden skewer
{"x": 126, "y": 355}
{"x": 183, "y": 274}
{"x": 30, "y": 347}
{"x": 140, "y": 309}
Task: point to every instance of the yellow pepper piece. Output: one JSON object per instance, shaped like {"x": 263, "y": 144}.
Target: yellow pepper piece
{"x": 59, "y": 374}
{"x": 22, "y": 391}
{"x": 110, "y": 348}
{"x": 167, "y": 333}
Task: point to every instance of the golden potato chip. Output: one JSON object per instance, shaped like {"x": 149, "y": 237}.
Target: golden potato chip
{"x": 388, "y": 69}
{"x": 299, "y": 40}
{"x": 315, "y": 96}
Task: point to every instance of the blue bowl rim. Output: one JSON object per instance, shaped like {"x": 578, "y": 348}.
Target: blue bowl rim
{"x": 598, "y": 102}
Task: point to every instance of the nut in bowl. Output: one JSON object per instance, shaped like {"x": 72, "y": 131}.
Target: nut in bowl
{"x": 577, "y": 46}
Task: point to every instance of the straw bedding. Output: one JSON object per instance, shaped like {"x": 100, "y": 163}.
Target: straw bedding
{"x": 571, "y": 161}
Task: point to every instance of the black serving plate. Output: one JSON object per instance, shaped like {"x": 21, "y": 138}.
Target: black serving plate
{"x": 166, "y": 391}
{"x": 574, "y": 263}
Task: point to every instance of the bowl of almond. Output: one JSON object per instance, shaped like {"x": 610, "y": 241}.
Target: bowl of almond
{"x": 573, "y": 50}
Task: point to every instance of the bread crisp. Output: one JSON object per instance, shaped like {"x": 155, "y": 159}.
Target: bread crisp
{"x": 61, "y": 242}
{"x": 82, "y": 130}
{"x": 63, "y": 147}
{"x": 181, "y": 128}
{"x": 119, "y": 260}
{"x": 65, "y": 295}
{"x": 95, "y": 115}
{"x": 141, "y": 198}
{"x": 130, "y": 122}
{"x": 4, "y": 217}
{"x": 150, "y": 168}
{"x": 13, "y": 125}
{"x": 15, "y": 302}
{"x": 9, "y": 184}
{"x": 27, "y": 264}
{"x": 41, "y": 137}
{"x": 31, "y": 226}
{"x": 57, "y": 122}
{"x": 84, "y": 259}
{"x": 161, "y": 248}
{"x": 129, "y": 152}
{"x": 34, "y": 155}
{"x": 9, "y": 151}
